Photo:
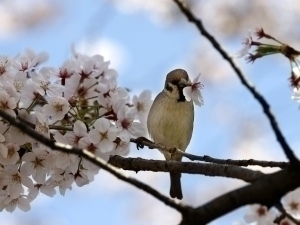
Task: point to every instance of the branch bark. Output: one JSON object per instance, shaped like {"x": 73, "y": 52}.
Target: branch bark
{"x": 185, "y": 167}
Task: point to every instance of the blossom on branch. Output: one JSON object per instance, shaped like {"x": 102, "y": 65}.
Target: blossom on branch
{"x": 79, "y": 104}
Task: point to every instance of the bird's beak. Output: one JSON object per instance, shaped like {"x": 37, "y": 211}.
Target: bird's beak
{"x": 183, "y": 83}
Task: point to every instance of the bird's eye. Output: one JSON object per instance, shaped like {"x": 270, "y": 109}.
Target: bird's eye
{"x": 174, "y": 82}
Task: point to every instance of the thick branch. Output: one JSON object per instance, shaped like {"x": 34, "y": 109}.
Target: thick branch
{"x": 264, "y": 104}
{"x": 266, "y": 191}
{"x": 92, "y": 158}
{"x": 185, "y": 167}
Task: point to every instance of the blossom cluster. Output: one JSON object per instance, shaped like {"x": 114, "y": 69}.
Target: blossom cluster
{"x": 266, "y": 49}
{"x": 79, "y": 104}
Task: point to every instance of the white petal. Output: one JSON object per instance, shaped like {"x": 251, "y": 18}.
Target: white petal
{"x": 10, "y": 207}
{"x": 124, "y": 135}
{"x": 145, "y": 95}
{"x": 29, "y": 157}
{"x": 48, "y": 191}
{"x": 2, "y": 138}
{"x": 3, "y": 150}
{"x": 80, "y": 128}
{"x": 26, "y": 181}
{"x": 94, "y": 136}
{"x": 24, "y": 204}
{"x": 112, "y": 133}
{"x": 106, "y": 146}
{"x": 27, "y": 169}
{"x": 187, "y": 92}
{"x": 102, "y": 124}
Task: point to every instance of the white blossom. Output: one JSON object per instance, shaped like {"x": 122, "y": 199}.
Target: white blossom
{"x": 47, "y": 82}
{"x": 11, "y": 203}
{"x": 57, "y": 108}
{"x": 247, "y": 42}
{"x": 127, "y": 126}
{"x": 291, "y": 203}
{"x": 35, "y": 165}
{"x": 103, "y": 135}
{"x": 79, "y": 131}
{"x": 260, "y": 214}
{"x": 193, "y": 92}
{"x": 7, "y": 103}
{"x": 11, "y": 156}
{"x": 15, "y": 181}
{"x": 142, "y": 104}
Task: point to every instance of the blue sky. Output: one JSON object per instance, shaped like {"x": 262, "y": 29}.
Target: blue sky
{"x": 144, "y": 53}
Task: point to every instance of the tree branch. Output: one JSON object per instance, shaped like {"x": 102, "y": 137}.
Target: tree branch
{"x": 266, "y": 191}
{"x": 185, "y": 167}
{"x": 205, "y": 158}
{"x": 264, "y": 104}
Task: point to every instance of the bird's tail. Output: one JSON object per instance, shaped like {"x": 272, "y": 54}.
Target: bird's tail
{"x": 175, "y": 189}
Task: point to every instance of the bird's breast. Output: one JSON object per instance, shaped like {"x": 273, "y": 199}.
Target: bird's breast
{"x": 171, "y": 122}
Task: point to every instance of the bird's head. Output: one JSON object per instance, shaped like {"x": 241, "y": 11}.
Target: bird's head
{"x": 176, "y": 80}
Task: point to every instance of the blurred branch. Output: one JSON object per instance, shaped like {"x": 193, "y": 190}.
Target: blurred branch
{"x": 141, "y": 142}
{"x": 138, "y": 164}
{"x": 264, "y": 104}
{"x": 16, "y": 122}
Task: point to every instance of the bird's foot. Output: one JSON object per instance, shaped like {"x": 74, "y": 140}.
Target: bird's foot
{"x": 173, "y": 152}
{"x": 140, "y": 142}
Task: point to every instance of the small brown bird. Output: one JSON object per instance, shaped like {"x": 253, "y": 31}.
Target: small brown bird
{"x": 170, "y": 121}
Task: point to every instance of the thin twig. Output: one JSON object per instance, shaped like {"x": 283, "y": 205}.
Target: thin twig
{"x": 92, "y": 158}
{"x": 286, "y": 214}
{"x": 138, "y": 164}
{"x": 205, "y": 158}
{"x": 264, "y": 104}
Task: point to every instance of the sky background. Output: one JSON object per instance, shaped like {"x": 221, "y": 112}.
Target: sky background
{"x": 144, "y": 40}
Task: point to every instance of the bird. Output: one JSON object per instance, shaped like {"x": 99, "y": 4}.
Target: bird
{"x": 170, "y": 121}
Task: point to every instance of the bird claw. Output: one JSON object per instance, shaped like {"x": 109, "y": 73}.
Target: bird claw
{"x": 173, "y": 152}
{"x": 140, "y": 141}
{"x": 139, "y": 144}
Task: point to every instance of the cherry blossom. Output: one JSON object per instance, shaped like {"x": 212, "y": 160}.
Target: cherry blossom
{"x": 11, "y": 156}
{"x": 40, "y": 187}
{"x": 11, "y": 203}
{"x": 79, "y": 104}
{"x": 42, "y": 124}
{"x": 103, "y": 135}
{"x": 7, "y": 103}
{"x": 192, "y": 92}
{"x": 5, "y": 63}
{"x": 35, "y": 165}
{"x": 24, "y": 64}
{"x": 260, "y": 214}
{"x": 47, "y": 83}
{"x": 63, "y": 159}
{"x": 291, "y": 203}
{"x": 57, "y": 108}
{"x": 15, "y": 181}
{"x": 142, "y": 104}
{"x": 247, "y": 42}
{"x": 79, "y": 131}
{"x": 127, "y": 126}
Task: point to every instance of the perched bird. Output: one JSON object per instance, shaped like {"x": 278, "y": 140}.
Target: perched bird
{"x": 170, "y": 121}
